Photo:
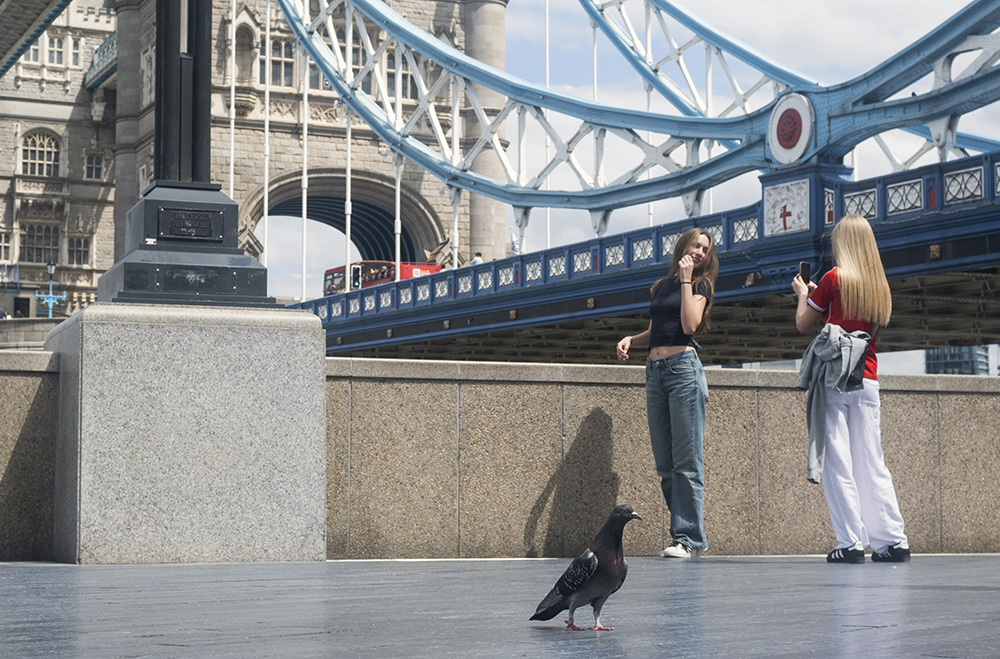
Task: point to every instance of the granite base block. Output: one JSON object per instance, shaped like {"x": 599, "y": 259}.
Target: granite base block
{"x": 189, "y": 434}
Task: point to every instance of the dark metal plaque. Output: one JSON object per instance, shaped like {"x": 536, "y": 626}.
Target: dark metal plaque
{"x": 196, "y": 279}
{"x": 188, "y": 224}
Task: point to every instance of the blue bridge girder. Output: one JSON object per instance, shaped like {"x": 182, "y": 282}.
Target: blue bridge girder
{"x": 930, "y": 221}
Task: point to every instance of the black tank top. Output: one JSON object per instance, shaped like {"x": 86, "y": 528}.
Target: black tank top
{"x": 665, "y": 315}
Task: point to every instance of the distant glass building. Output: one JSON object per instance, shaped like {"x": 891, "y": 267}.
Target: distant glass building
{"x": 971, "y": 360}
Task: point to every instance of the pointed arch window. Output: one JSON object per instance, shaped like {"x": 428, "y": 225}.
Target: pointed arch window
{"x": 39, "y": 155}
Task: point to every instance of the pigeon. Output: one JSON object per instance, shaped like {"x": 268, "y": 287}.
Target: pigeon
{"x": 593, "y": 576}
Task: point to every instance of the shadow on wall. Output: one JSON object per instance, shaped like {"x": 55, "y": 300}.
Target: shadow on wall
{"x": 582, "y": 493}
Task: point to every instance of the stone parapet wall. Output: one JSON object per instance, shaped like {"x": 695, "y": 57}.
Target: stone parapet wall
{"x": 446, "y": 459}
{"x": 25, "y": 333}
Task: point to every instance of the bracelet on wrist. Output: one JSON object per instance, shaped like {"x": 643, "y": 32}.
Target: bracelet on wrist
{"x": 686, "y": 282}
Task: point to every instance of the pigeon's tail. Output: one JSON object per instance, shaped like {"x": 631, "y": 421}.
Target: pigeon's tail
{"x": 550, "y": 607}
{"x": 549, "y": 613}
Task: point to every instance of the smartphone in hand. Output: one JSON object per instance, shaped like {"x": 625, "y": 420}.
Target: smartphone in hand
{"x": 805, "y": 270}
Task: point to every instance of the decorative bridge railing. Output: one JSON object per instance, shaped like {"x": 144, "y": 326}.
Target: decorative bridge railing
{"x": 897, "y": 202}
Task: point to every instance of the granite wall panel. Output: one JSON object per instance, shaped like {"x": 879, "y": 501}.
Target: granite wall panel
{"x": 510, "y": 470}
{"x": 607, "y": 461}
{"x": 27, "y": 464}
{"x": 338, "y": 443}
{"x": 910, "y": 445}
{"x": 970, "y": 473}
{"x": 793, "y": 513}
{"x": 731, "y": 471}
{"x": 403, "y": 470}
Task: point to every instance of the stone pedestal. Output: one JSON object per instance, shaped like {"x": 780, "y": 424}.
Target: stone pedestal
{"x": 189, "y": 434}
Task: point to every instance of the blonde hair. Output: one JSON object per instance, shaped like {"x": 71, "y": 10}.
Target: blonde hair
{"x": 864, "y": 290}
{"x": 707, "y": 270}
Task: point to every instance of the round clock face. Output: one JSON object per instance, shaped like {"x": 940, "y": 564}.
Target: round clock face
{"x": 790, "y": 130}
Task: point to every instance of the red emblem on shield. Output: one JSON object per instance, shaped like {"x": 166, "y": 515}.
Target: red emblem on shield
{"x": 789, "y": 128}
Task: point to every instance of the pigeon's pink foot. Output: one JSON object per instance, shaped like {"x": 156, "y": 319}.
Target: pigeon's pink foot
{"x": 599, "y": 628}
{"x": 570, "y": 625}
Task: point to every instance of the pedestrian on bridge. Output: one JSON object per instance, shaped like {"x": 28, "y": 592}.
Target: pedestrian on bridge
{"x": 859, "y": 491}
{"x": 676, "y": 389}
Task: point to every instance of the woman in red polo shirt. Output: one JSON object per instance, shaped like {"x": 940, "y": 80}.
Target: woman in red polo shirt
{"x": 858, "y": 486}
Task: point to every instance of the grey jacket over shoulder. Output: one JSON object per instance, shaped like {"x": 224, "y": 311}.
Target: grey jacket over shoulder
{"x": 826, "y": 364}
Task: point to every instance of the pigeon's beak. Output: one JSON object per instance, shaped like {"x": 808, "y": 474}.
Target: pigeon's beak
{"x": 635, "y": 515}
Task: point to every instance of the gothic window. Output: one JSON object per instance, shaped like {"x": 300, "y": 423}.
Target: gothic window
{"x": 244, "y": 55}
{"x": 407, "y": 84}
{"x": 79, "y": 251}
{"x": 39, "y": 243}
{"x": 76, "y": 52}
{"x": 4, "y": 246}
{"x": 33, "y": 54}
{"x": 282, "y": 63}
{"x": 39, "y": 155}
{"x": 55, "y": 50}
{"x": 317, "y": 80}
{"x": 94, "y": 170}
{"x": 358, "y": 57}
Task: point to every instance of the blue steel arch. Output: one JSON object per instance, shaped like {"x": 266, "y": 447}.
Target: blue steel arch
{"x": 846, "y": 114}
{"x": 371, "y": 225}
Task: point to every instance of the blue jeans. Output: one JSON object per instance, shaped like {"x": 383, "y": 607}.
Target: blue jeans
{"x": 676, "y": 393}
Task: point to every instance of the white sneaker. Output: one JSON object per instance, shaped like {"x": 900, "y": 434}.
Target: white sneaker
{"x": 677, "y": 550}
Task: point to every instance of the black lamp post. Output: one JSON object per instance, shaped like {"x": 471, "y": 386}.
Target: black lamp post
{"x": 182, "y": 237}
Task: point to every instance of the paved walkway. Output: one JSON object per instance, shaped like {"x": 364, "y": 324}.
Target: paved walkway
{"x": 935, "y": 606}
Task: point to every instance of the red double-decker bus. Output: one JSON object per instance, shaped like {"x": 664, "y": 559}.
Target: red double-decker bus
{"x": 373, "y": 273}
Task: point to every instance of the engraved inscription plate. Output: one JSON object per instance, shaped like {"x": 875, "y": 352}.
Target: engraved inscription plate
{"x": 188, "y": 224}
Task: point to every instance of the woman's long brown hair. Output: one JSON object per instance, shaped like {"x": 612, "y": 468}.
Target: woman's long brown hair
{"x": 707, "y": 270}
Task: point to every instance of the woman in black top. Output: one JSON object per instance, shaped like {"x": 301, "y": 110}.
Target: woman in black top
{"x": 676, "y": 390}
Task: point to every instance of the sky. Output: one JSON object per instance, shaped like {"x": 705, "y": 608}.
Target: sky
{"x": 824, "y": 40}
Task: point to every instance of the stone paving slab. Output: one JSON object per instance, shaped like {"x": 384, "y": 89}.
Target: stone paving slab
{"x": 935, "y": 606}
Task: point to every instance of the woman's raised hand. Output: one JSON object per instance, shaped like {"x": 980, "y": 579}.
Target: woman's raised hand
{"x": 686, "y": 265}
{"x": 623, "y": 347}
{"x": 802, "y": 288}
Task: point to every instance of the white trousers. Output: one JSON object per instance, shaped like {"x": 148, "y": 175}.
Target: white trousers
{"x": 858, "y": 485}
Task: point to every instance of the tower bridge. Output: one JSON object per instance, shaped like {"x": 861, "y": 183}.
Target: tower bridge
{"x": 936, "y": 224}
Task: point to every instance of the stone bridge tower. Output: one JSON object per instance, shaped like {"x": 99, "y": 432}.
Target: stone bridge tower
{"x": 476, "y": 26}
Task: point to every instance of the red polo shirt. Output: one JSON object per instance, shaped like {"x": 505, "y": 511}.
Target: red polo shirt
{"x": 826, "y": 300}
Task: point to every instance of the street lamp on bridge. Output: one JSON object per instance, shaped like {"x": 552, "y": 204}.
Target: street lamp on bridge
{"x": 50, "y": 299}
